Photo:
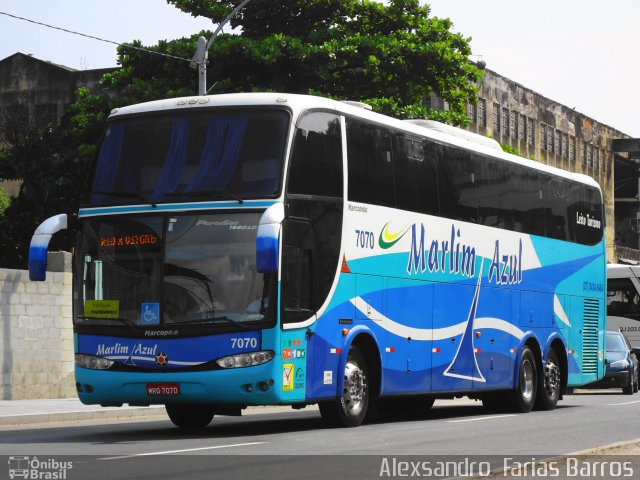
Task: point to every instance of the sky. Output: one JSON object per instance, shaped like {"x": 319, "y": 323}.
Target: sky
{"x": 582, "y": 53}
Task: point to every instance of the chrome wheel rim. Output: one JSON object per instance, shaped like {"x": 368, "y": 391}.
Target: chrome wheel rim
{"x": 526, "y": 380}
{"x": 355, "y": 388}
{"x": 552, "y": 378}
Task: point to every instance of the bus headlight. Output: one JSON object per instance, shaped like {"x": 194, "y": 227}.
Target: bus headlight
{"x": 245, "y": 359}
{"x": 620, "y": 363}
{"x": 92, "y": 362}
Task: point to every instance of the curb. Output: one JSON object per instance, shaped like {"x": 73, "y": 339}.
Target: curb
{"x": 154, "y": 412}
{"x": 607, "y": 448}
{"x": 72, "y": 416}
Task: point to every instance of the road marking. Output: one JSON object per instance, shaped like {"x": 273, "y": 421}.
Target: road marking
{"x": 481, "y": 418}
{"x": 169, "y": 452}
{"x": 625, "y": 403}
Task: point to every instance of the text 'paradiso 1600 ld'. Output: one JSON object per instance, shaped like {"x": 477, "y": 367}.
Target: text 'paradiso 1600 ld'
{"x": 275, "y": 249}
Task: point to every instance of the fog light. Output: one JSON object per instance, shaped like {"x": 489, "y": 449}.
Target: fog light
{"x": 264, "y": 386}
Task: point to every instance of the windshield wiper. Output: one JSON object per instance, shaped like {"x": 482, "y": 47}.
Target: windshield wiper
{"x": 125, "y": 321}
{"x": 205, "y": 193}
{"x": 127, "y": 195}
{"x": 210, "y": 318}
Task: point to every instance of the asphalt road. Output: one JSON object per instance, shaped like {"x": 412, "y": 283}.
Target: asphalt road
{"x": 297, "y": 445}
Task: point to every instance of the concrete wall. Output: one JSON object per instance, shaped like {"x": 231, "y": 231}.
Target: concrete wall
{"x": 36, "y": 333}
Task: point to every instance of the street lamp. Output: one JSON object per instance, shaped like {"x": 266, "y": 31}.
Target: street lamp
{"x": 201, "y": 56}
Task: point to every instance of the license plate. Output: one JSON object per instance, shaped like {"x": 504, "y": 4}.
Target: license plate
{"x": 163, "y": 389}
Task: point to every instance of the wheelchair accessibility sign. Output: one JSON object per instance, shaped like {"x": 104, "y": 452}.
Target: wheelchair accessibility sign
{"x": 151, "y": 314}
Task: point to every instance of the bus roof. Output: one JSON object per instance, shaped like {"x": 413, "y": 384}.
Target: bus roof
{"x": 299, "y": 103}
{"x": 619, "y": 270}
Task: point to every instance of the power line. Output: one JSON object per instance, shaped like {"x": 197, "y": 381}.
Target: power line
{"x": 95, "y": 38}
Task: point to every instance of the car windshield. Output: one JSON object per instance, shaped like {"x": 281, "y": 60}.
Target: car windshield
{"x": 191, "y": 155}
{"x": 616, "y": 343}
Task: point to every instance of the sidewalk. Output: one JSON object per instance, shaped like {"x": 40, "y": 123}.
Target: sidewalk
{"x": 24, "y": 412}
{"x": 15, "y": 413}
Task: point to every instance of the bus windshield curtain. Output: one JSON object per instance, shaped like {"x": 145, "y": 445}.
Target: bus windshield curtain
{"x": 176, "y": 158}
{"x": 225, "y": 137}
{"x": 108, "y": 162}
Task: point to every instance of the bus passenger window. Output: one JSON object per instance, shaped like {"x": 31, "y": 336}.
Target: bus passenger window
{"x": 370, "y": 164}
{"x": 316, "y": 160}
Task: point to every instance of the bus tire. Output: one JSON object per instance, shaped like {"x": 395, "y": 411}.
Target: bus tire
{"x": 524, "y": 396}
{"x": 351, "y": 407}
{"x": 549, "y": 384}
{"x": 190, "y": 416}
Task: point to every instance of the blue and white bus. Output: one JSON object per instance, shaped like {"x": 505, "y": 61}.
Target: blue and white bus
{"x": 261, "y": 249}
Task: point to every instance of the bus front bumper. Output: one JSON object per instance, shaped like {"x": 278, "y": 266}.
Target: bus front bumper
{"x": 247, "y": 386}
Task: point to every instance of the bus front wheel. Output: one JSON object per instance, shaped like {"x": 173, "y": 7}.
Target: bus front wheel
{"x": 188, "y": 416}
{"x": 350, "y": 408}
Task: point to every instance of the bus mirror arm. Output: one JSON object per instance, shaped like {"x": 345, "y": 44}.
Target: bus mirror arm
{"x": 40, "y": 244}
{"x": 268, "y": 239}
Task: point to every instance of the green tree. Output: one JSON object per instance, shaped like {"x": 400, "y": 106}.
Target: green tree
{"x": 53, "y": 174}
{"x": 391, "y": 56}
{"x": 4, "y": 201}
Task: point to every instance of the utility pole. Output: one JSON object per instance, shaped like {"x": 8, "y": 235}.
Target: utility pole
{"x": 201, "y": 56}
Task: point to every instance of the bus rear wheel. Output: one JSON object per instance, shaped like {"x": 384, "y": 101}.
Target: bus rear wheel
{"x": 190, "y": 416}
{"x": 524, "y": 396}
{"x": 351, "y": 407}
{"x": 550, "y": 384}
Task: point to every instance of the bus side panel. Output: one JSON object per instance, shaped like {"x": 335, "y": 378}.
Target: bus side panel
{"x": 494, "y": 346}
{"x": 453, "y": 361}
{"x": 407, "y": 356}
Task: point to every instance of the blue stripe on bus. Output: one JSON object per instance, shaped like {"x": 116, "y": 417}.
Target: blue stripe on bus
{"x": 87, "y": 212}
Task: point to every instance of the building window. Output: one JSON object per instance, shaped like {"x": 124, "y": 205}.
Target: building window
{"x": 543, "y": 136}
{"x": 583, "y": 154}
{"x": 496, "y": 117}
{"x": 556, "y": 142}
{"x": 482, "y": 112}
{"x": 565, "y": 145}
{"x": 531, "y": 131}
{"x": 513, "y": 124}
{"x": 521, "y": 128}
{"x": 596, "y": 159}
{"x": 589, "y": 149}
{"x": 572, "y": 149}
{"x": 550, "y": 146}
{"x": 504, "y": 121}
{"x": 471, "y": 112}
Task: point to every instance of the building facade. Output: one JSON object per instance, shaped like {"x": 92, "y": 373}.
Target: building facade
{"x": 554, "y": 134}
{"x": 39, "y": 92}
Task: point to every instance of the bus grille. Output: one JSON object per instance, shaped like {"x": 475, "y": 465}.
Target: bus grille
{"x": 590, "y": 336}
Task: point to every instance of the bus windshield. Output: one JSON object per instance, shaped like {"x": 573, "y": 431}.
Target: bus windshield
{"x": 191, "y": 155}
{"x": 171, "y": 270}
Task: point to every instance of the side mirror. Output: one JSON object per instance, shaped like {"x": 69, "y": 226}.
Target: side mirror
{"x": 40, "y": 244}
{"x": 267, "y": 243}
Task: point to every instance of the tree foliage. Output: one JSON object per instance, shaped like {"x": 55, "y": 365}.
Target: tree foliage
{"x": 53, "y": 170}
{"x": 390, "y": 55}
